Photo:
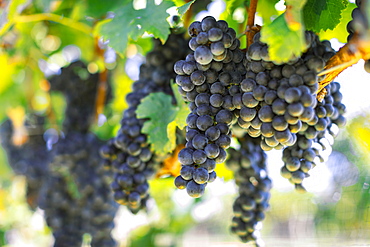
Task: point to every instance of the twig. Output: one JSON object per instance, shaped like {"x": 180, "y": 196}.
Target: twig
{"x": 102, "y": 84}
{"x": 48, "y": 17}
{"x": 101, "y": 94}
{"x": 348, "y": 55}
{"x": 333, "y": 69}
{"x": 250, "y": 22}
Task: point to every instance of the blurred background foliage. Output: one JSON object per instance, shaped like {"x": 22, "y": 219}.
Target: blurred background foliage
{"x": 38, "y": 37}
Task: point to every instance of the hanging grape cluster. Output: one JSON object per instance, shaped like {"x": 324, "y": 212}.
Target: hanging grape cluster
{"x": 75, "y": 195}
{"x": 250, "y": 172}
{"x": 129, "y": 153}
{"x": 270, "y": 106}
{"x": 314, "y": 147}
{"x": 279, "y": 98}
{"x": 67, "y": 179}
{"x": 209, "y": 80}
{"x": 23, "y": 160}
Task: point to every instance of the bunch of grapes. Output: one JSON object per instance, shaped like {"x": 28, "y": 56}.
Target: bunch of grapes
{"x": 79, "y": 88}
{"x": 249, "y": 166}
{"x": 279, "y": 98}
{"x": 314, "y": 141}
{"x": 209, "y": 79}
{"x": 75, "y": 196}
{"x": 129, "y": 153}
{"x": 23, "y": 160}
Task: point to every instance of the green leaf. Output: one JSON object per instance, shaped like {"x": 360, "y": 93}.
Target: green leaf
{"x": 340, "y": 31}
{"x": 162, "y": 119}
{"x": 232, "y": 5}
{"x": 120, "y": 28}
{"x": 181, "y": 108}
{"x": 153, "y": 19}
{"x": 323, "y": 15}
{"x": 129, "y": 23}
{"x": 266, "y": 9}
{"x": 184, "y": 8}
{"x": 98, "y": 8}
{"x": 283, "y": 42}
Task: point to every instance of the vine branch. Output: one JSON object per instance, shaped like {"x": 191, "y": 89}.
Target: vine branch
{"x": 101, "y": 94}
{"x": 48, "y": 17}
{"x": 250, "y": 22}
{"x": 357, "y": 48}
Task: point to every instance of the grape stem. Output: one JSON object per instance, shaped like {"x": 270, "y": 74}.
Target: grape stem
{"x": 82, "y": 27}
{"x": 250, "y": 22}
{"x": 101, "y": 94}
{"x": 357, "y": 48}
{"x": 102, "y": 84}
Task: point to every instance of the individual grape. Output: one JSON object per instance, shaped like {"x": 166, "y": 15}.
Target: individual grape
{"x": 202, "y": 38}
{"x": 292, "y": 94}
{"x": 203, "y": 55}
{"x": 194, "y": 189}
{"x": 217, "y": 49}
{"x": 224, "y": 116}
{"x": 215, "y": 34}
{"x": 195, "y": 28}
{"x": 208, "y": 22}
{"x": 186, "y": 156}
{"x": 201, "y": 176}
{"x": 249, "y": 101}
{"x": 212, "y": 150}
{"x": 213, "y": 133}
{"x": 199, "y": 141}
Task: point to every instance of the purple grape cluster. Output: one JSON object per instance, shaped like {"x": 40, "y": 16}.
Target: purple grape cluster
{"x": 209, "y": 79}
{"x": 128, "y": 154}
{"x": 314, "y": 140}
{"x": 23, "y": 160}
{"x": 249, "y": 167}
{"x": 75, "y": 195}
{"x": 277, "y": 99}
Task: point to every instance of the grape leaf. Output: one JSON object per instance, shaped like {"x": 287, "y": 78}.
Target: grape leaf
{"x": 340, "y": 31}
{"x": 181, "y": 108}
{"x": 232, "y": 5}
{"x": 293, "y": 14}
{"x": 266, "y": 9}
{"x": 184, "y": 8}
{"x": 163, "y": 117}
{"x": 98, "y": 8}
{"x": 119, "y": 29}
{"x": 130, "y": 23}
{"x": 153, "y": 19}
{"x": 323, "y": 15}
{"x": 283, "y": 42}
